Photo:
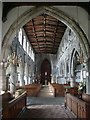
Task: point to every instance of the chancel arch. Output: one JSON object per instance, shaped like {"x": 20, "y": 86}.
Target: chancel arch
{"x": 58, "y": 14}
{"x": 52, "y": 11}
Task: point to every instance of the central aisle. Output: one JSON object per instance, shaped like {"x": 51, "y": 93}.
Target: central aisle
{"x": 45, "y": 105}
{"x": 46, "y": 111}
{"x": 45, "y": 97}
{"x": 46, "y": 91}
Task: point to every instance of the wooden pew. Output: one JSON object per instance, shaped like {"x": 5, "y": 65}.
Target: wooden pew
{"x": 58, "y": 89}
{"x": 72, "y": 90}
{"x": 79, "y": 107}
{"x": 32, "y": 89}
{"x": 0, "y": 106}
{"x": 13, "y": 108}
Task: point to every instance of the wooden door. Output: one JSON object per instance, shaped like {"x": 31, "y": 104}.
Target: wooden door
{"x": 45, "y": 72}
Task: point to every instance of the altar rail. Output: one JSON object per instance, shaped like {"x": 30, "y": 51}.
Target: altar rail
{"x": 13, "y": 108}
{"x": 78, "y": 106}
{"x": 32, "y": 89}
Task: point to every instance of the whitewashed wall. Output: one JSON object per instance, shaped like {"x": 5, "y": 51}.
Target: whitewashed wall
{"x": 12, "y": 16}
{"x": 78, "y": 14}
{"x": 0, "y": 26}
{"x": 64, "y": 53}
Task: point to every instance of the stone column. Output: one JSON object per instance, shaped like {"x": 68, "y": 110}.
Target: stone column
{"x": 2, "y": 77}
{"x": 88, "y": 78}
{"x": 26, "y": 73}
{"x": 28, "y": 79}
{"x": 21, "y": 71}
{"x": 13, "y": 77}
{"x": 72, "y": 77}
{"x": 72, "y": 83}
{"x": 29, "y": 71}
{"x": 65, "y": 74}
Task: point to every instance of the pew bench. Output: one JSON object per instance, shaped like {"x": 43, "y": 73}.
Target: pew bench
{"x": 80, "y": 107}
{"x": 13, "y": 108}
{"x": 32, "y": 89}
{"x": 58, "y": 89}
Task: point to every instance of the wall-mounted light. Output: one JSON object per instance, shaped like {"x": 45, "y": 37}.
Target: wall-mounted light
{"x": 4, "y": 63}
{"x": 45, "y": 73}
{"x": 84, "y": 74}
{"x": 87, "y": 74}
{"x": 51, "y": 74}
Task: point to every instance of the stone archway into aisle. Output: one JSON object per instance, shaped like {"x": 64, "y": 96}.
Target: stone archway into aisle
{"x": 58, "y": 14}
{"x": 45, "y": 72}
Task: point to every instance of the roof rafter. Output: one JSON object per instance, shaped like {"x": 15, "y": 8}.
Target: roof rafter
{"x": 45, "y": 33}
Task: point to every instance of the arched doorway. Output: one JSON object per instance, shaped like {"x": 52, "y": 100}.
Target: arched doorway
{"x": 45, "y": 72}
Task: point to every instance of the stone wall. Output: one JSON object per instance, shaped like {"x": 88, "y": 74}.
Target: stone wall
{"x": 63, "y": 65}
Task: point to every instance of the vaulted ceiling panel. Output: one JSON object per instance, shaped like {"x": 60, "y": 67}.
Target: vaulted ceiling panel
{"x": 45, "y": 33}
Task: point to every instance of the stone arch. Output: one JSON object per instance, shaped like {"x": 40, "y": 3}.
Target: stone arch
{"x": 71, "y": 62}
{"x": 74, "y": 52}
{"x": 58, "y": 14}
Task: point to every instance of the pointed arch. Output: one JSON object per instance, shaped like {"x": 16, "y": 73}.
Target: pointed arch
{"x": 58, "y": 14}
{"x": 75, "y": 54}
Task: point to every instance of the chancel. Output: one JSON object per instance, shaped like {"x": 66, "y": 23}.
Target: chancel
{"x": 44, "y": 60}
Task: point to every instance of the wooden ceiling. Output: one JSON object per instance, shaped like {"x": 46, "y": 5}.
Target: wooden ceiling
{"x": 45, "y": 33}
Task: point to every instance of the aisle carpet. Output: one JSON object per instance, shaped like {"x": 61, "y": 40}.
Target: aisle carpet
{"x": 47, "y": 111}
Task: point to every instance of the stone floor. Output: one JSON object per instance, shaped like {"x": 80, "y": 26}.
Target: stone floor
{"x": 47, "y": 111}
{"x": 45, "y": 97}
{"x": 45, "y": 106}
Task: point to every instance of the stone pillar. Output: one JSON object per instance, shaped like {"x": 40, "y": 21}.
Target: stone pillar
{"x": 28, "y": 79}
{"x": 88, "y": 78}
{"x": 26, "y": 73}
{"x": 72, "y": 77}
{"x": 72, "y": 82}
{"x": 2, "y": 78}
{"x": 13, "y": 77}
{"x": 65, "y": 74}
{"x": 1, "y": 8}
{"x": 31, "y": 80}
{"x": 29, "y": 72}
{"x": 21, "y": 71}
